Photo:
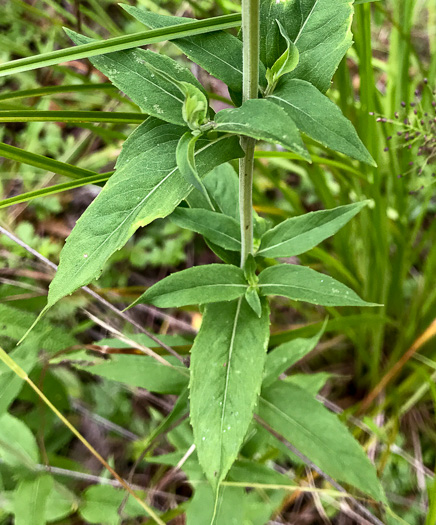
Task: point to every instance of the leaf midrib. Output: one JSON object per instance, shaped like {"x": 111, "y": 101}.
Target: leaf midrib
{"x": 297, "y": 287}
{"x": 306, "y": 21}
{"x": 232, "y": 343}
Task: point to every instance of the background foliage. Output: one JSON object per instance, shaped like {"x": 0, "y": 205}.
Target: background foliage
{"x": 375, "y": 367}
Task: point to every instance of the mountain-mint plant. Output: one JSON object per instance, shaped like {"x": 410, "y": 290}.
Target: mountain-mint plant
{"x": 176, "y": 163}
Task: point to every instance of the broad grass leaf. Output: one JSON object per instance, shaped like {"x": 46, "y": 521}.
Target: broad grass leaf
{"x": 31, "y": 499}
{"x": 321, "y": 30}
{"x": 210, "y": 283}
{"x": 227, "y": 362}
{"x": 100, "y": 504}
{"x": 287, "y": 354}
{"x": 141, "y": 371}
{"x": 216, "y": 227}
{"x": 145, "y": 187}
{"x": 319, "y": 435}
{"x": 120, "y": 43}
{"x": 300, "y": 234}
{"x": 128, "y": 71}
{"x": 18, "y": 446}
{"x": 319, "y": 118}
{"x": 261, "y": 120}
{"x": 219, "y": 53}
{"x": 300, "y": 283}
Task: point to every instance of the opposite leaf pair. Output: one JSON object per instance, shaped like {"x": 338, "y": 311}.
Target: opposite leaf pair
{"x": 216, "y": 282}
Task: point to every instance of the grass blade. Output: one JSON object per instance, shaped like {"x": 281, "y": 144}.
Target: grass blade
{"x": 30, "y": 115}
{"x": 120, "y": 43}
{"x": 45, "y": 163}
{"x": 56, "y": 188}
{"x": 51, "y": 90}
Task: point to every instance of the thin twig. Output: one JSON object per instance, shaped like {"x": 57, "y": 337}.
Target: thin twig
{"x": 103, "y": 422}
{"x": 91, "y": 478}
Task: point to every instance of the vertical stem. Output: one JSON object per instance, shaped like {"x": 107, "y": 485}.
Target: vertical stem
{"x": 250, "y": 34}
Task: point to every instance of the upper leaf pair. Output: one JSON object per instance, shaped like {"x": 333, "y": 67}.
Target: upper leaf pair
{"x": 301, "y": 44}
{"x": 320, "y": 29}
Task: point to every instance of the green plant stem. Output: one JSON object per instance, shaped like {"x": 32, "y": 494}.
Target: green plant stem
{"x": 250, "y": 33}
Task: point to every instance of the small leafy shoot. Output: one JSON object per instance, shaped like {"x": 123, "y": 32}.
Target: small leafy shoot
{"x": 286, "y": 63}
{"x": 185, "y": 156}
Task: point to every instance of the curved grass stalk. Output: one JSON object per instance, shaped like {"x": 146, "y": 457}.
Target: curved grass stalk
{"x": 55, "y": 189}
{"x": 45, "y": 163}
{"x": 30, "y": 115}
{"x": 10, "y": 363}
{"x": 52, "y": 90}
{"x": 120, "y": 43}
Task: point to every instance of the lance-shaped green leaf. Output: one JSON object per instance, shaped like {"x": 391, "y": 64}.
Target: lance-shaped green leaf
{"x": 321, "y": 30}
{"x": 262, "y": 120}
{"x": 319, "y": 118}
{"x": 285, "y": 63}
{"x": 154, "y": 94}
{"x": 185, "y": 157}
{"x": 227, "y": 362}
{"x": 300, "y": 283}
{"x": 219, "y": 53}
{"x": 319, "y": 435}
{"x": 300, "y": 234}
{"x": 141, "y": 371}
{"x": 146, "y": 186}
{"x": 216, "y": 227}
{"x": 198, "y": 285}
{"x": 287, "y": 354}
